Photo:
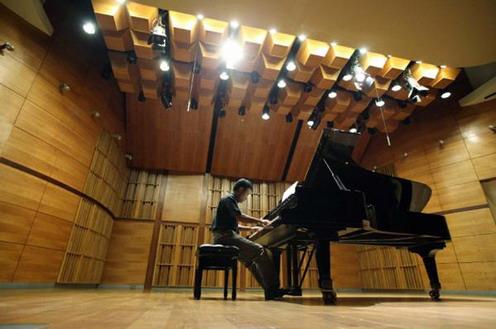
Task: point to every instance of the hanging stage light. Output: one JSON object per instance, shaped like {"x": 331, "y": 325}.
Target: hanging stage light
{"x": 224, "y": 75}
{"x": 379, "y": 102}
{"x": 332, "y": 94}
{"x": 310, "y": 121}
{"x": 164, "y": 65}
{"x": 347, "y": 77}
{"x": 307, "y": 87}
{"x": 353, "y": 130}
{"x": 255, "y": 77}
{"x": 415, "y": 90}
{"x": 445, "y": 94}
{"x": 89, "y": 28}
{"x": 289, "y": 118}
{"x": 266, "y": 112}
{"x": 231, "y": 52}
{"x": 281, "y": 83}
{"x": 141, "y": 96}
{"x": 242, "y": 110}
{"x": 193, "y": 104}
{"x": 166, "y": 98}
{"x": 291, "y": 66}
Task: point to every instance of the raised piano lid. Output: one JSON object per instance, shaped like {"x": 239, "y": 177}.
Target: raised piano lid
{"x": 333, "y": 165}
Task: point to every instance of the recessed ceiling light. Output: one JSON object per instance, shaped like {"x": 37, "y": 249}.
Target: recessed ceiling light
{"x": 266, "y": 112}
{"x": 362, "y": 50}
{"x": 445, "y": 95}
{"x": 272, "y": 31}
{"x": 234, "y": 24}
{"x": 281, "y": 83}
{"x": 266, "y": 116}
{"x": 443, "y": 66}
{"x": 310, "y": 122}
{"x": 291, "y": 66}
{"x": 302, "y": 37}
{"x": 353, "y": 130}
{"x": 121, "y": 1}
{"x": 224, "y": 75}
{"x": 332, "y": 94}
{"x": 89, "y": 27}
{"x": 396, "y": 87}
{"x": 164, "y": 65}
{"x": 334, "y": 43}
{"x": 200, "y": 17}
{"x": 418, "y": 62}
{"x": 360, "y": 77}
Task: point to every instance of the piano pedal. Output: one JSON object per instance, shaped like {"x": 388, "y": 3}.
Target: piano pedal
{"x": 329, "y": 297}
{"x": 435, "y": 295}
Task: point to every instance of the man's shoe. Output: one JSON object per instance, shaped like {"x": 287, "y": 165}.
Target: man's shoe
{"x": 271, "y": 294}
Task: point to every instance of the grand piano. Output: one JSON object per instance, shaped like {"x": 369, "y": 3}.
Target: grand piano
{"x": 341, "y": 202}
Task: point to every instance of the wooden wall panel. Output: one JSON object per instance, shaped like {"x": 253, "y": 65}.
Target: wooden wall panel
{"x": 127, "y": 257}
{"x": 453, "y": 169}
{"x": 183, "y": 198}
{"x": 38, "y": 265}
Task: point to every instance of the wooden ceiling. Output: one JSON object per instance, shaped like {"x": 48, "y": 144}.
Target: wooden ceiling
{"x": 233, "y": 145}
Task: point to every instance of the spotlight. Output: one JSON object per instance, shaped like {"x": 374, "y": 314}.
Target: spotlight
{"x": 332, "y": 94}
{"x": 234, "y": 24}
{"x": 396, "y": 87}
{"x": 379, "y": 102}
{"x": 242, "y": 110}
{"x": 353, "y": 130}
{"x": 193, "y": 104}
{"x": 443, "y": 66}
{"x": 416, "y": 90}
{"x": 266, "y": 112}
{"x": 117, "y": 136}
{"x": 360, "y": 77}
{"x": 347, "y": 77}
{"x": 418, "y": 62}
{"x": 334, "y": 44}
{"x": 291, "y": 66}
{"x": 158, "y": 37}
{"x": 224, "y": 75}
{"x": 89, "y": 27}
{"x": 308, "y": 87}
{"x": 310, "y": 122}
{"x": 222, "y": 113}
{"x": 362, "y": 50}
{"x": 302, "y": 37}
{"x": 121, "y": 1}
{"x": 64, "y": 87}
{"x": 255, "y": 77}
{"x": 164, "y": 65}
{"x": 166, "y": 99}
{"x": 199, "y": 17}
{"x": 289, "y": 118}
{"x": 281, "y": 84}
{"x": 445, "y": 95}
{"x": 141, "y": 96}
{"x": 7, "y": 46}
{"x": 272, "y": 31}
{"x": 131, "y": 57}
{"x": 231, "y": 52}
{"x": 273, "y": 99}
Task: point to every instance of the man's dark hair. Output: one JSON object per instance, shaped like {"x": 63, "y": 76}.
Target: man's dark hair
{"x": 242, "y": 183}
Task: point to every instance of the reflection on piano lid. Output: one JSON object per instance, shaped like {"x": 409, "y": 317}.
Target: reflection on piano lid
{"x": 289, "y": 191}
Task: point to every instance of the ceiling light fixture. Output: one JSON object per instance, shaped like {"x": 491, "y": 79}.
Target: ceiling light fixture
{"x": 396, "y": 87}
{"x": 445, "y": 95}
{"x": 281, "y": 84}
{"x": 291, "y": 66}
{"x": 266, "y": 112}
{"x": 332, "y": 94}
{"x": 272, "y": 31}
{"x": 302, "y": 37}
{"x": 164, "y": 65}
{"x": 231, "y": 52}
{"x": 443, "y": 66}
{"x": 379, "y": 102}
{"x": 310, "y": 122}
{"x": 362, "y": 50}
{"x": 200, "y": 17}
{"x": 234, "y": 24}
{"x": 334, "y": 43}
{"x": 347, "y": 77}
{"x": 353, "y": 130}
{"x": 89, "y": 28}
{"x": 224, "y": 75}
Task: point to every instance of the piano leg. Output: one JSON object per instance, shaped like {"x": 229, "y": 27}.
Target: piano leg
{"x": 323, "y": 258}
{"x": 428, "y": 254}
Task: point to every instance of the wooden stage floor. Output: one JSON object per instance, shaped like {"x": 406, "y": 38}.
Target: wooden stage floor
{"x": 116, "y": 308}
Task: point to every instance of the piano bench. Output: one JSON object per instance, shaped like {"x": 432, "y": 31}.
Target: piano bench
{"x": 219, "y": 258}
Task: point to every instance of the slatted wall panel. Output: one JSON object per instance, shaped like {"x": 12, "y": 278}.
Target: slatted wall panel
{"x": 175, "y": 261}
{"x": 389, "y": 268}
{"x": 87, "y": 248}
{"x": 108, "y": 175}
{"x": 142, "y": 195}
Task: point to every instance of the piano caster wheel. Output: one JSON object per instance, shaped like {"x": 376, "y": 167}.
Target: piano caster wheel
{"x": 435, "y": 295}
{"x": 329, "y": 297}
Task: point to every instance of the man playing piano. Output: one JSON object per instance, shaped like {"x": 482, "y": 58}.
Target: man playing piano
{"x": 225, "y": 228}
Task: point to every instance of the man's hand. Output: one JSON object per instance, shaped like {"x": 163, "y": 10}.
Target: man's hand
{"x": 264, "y": 221}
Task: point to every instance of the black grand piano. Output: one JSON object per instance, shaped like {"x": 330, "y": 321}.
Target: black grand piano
{"x": 342, "y": 202}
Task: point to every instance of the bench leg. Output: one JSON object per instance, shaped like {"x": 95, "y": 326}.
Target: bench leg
{"x": 234, "y": 269}
{"x": 198, "y": 283}
{"x": 226, "y": 282}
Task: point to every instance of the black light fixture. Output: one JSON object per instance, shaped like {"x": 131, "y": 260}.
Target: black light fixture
{"x": 357, "y": 96}
{"x": 372, "y": 131}
{"x": 255, "y": 77}
{"x": 106, "y": 72}
{"x": 330, "y": 124}
{"x": 242, "y": 110}
{"x": 445, "y": 94}
{"x": 131, "y": 57}
{"x": 273, "y": 97}
{"x": 289, "y": 118}
{"x": 141, "y": 96}
{"x": 193, "y": 104}
{"x": 222, "y": 113}
{"x": 308, "y": 87}
{"x": 166, "y": 99}
{"x": 407, "y": 121}
{"x": 415, "y": 90}
{"x": 266, "y": 112}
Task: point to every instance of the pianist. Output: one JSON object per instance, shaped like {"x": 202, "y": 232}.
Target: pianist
{"x": 225, "y": 228}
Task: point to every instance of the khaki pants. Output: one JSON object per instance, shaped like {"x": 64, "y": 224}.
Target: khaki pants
{"x": 254, "y": 256}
